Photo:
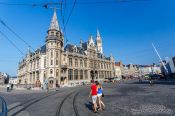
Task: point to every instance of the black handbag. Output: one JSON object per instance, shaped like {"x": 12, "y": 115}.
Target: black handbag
{"x": 103, "y": 94}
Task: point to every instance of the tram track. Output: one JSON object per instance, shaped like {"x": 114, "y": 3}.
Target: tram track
{"x": 27, "y": 104}
{"x": 60, "y": 107}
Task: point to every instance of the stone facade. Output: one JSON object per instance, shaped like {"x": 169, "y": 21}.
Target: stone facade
{"x": 4, "y": 78}
{"x": 149, "y": 69}
{"x": 118, "y": 72}
{"x": 70, "y": 65}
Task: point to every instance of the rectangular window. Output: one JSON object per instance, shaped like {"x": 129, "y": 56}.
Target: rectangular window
{"x": 86, "y": 74}
{"x": 51, "y": 54}
{"x": 85, "y": 63}
{"x": 91, "y": 64}
{"x": 56, "y": 62}
{"x": 70, "y": 61}
{"x": 51, "y": 62}
{"x": 70, "y": 75}
{"x": 81, "y": 63}
{"x": 76, "y": 62}
{"x": 76, "y": 74}
{"x": 56, "y": 54}
{"x": 37, "y": 63}
{"x": 44, "y": 62}
{"x": 81, "y": 74}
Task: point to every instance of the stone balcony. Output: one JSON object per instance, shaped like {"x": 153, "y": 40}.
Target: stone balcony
{"x": 64, "y": 66}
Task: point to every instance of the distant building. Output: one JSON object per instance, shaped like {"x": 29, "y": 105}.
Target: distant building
{"x": 117, "y": 68}
{"x": 133, "y": 70}
{"x": 4, "y": 78}
{"x": 55, "y": 64}
{"x": 149, "y": 69}
{"x": 13, "y": 80}
{"x": 129, "y": 70}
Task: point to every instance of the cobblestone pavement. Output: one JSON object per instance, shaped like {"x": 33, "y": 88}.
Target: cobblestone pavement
{"x": 128, "y": 98}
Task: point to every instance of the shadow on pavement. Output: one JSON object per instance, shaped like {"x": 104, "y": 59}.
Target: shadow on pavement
{"x": 89, "y": 106}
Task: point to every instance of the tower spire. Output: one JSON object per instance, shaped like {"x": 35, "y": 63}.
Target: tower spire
{"x": 99, "y": 42}
{"x": 54, "y": 25}
{"x": 98, "y": 33}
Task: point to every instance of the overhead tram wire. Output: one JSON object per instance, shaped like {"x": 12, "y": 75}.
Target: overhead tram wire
{"x": 11, "y": 42}
{"x": 11, "y": 30}
{"x": 78, "y": 3}
{"x": 31, "y": 5}
{"x": 61, "y": 12}
{"x": 64, "y": 28}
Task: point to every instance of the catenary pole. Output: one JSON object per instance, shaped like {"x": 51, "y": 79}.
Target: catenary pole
{"x": 160, "y": 58}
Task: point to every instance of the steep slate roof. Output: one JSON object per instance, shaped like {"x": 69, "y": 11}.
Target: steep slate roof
{"x": 54, "y": 22}
{"x": 74, "y": 48}
{"x": 43, "y": 49}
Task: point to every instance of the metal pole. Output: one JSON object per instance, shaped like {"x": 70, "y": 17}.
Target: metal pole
{"x": 160, "y": 58}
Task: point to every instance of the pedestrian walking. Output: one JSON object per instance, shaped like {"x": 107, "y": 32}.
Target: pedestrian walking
{"x": 99, "y": 97}
{"x": 140, "y": 80}
{"x": 47, "y": 87}
{"x": 93, "y": 94}
{"x": 151, "y": 81}
{"x": 8, "y": 87}
{"x": 12, "y": 86}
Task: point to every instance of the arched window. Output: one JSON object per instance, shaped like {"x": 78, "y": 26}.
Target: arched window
{"x": 57, "y": 73}
{"x": 51, "y": 71}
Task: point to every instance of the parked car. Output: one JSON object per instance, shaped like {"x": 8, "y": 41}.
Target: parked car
{"x": 147, "y": 77}
{"x": 155, "y": 76}
{"x": 106, "y": 80}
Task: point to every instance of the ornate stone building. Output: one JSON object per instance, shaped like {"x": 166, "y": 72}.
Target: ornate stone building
{"x": 70, "y": 65}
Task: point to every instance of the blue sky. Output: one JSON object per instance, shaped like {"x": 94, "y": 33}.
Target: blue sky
{"x": 127, "y": 28}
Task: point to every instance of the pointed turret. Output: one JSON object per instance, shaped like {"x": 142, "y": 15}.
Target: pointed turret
{"x": 91, "y": 41}
{"x": 54, "y": 25}
{"x": 98, "y": 34}
{"x": 81, "y": 42}
{"x": 54, "y": 32}
{"x": 99, "y": 42}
